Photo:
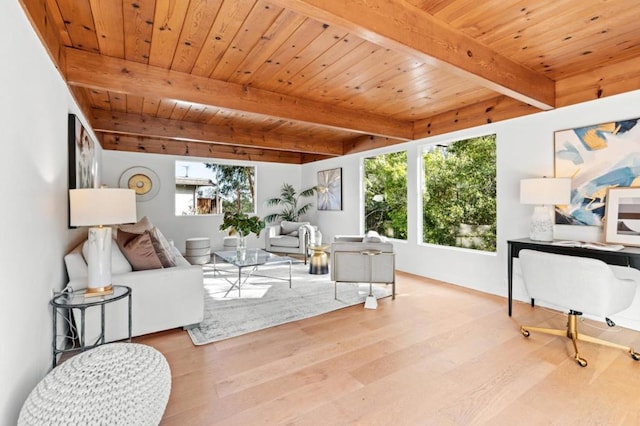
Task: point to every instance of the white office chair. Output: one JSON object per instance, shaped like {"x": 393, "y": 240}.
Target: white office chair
{"x": 581, "y": 285}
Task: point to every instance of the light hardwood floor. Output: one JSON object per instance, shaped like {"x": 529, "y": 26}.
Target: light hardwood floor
{"x": 439, "y": 354}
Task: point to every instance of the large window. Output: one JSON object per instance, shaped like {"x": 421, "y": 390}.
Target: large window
{"x": 385, "y": 194}
{"x": 459, "y": 200}
{"x": 212, "y": 188}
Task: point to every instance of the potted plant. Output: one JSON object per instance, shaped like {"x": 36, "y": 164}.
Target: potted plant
{"x": 289, "y": 200}
{"x": 242, "y": 224}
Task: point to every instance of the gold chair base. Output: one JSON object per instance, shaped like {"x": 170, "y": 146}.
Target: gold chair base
{"x": 572, "y": 333}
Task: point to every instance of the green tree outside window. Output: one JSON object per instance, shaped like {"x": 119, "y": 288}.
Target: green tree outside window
{"x": 459, "y": 200}
{"x": 236, "y": 187}
{"x": 385, "y": 194}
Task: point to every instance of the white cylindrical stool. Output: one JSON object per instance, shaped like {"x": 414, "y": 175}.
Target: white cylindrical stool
{"x": 198, "y": 251}
{"x": 230, "y": 243}
{"x": 112, "y": 384}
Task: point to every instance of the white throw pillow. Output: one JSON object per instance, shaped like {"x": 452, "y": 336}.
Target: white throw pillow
{"x": 372, "y": 237}
{"x": 287, "y": 227}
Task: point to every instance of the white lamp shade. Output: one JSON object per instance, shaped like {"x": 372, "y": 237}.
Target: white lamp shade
{"x": 102, "y": 206}
{"x": 96, "y": 207}
{"x": 545, "y": 191}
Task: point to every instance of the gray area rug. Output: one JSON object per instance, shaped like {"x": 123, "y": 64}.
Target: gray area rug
{"x": 267, "y": 302}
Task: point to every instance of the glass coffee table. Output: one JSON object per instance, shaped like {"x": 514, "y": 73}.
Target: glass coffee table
{"x": 252, "y": 259}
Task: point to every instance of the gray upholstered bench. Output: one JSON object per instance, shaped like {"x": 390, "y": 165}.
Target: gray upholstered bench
{"x": 113, "y": 384}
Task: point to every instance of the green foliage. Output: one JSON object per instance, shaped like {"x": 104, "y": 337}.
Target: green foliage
{"x": 236, "y": 185}
{"x": 242, "y": 223}
{"x": 289, "y": 200}
{"x": 386, "y": 194}
{"x": 460, "y": 188}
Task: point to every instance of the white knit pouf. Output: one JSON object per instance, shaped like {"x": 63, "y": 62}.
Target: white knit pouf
{"x": 113, "y": 384}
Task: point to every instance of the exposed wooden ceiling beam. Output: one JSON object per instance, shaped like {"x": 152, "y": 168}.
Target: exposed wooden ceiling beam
{"x": 117, "y": 75}
{"x": 141, "y": 125}
{"x": 200, "y": 149}
{"x": 400, "y": 26}
{"x": 490, "y": 111}
{"x": 366, "y": 143}
{"x": 600, "y": 82}
{"x": 47, "y": 22}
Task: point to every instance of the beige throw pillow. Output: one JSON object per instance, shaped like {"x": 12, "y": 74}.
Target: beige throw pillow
{"x": 139, "y": 227}
{"x": 162, "y": 248}
{"x": 139, "y": 251}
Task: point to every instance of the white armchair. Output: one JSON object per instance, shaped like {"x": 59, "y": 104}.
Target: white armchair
{"x": 348, "y": 264}
{"x": 291, "y": 238}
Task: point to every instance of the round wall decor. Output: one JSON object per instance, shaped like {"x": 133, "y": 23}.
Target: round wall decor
{"x": 143, "y": 181}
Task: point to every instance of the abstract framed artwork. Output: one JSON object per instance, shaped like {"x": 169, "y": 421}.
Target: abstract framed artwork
{"x": 622, "y": 220}
{"x": 596, "y": 158}
{"x": 83, "y": 164}
{"x": 330, "y": 189}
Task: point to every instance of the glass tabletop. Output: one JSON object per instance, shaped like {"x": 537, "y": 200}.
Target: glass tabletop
{"x": 77, "y": 299}
{"x": 251, "y": 257}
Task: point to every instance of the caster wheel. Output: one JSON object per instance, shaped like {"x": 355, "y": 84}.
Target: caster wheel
{"x": 524, "y": 332}
{"x": 581, "y": 362}
{"x": 635, "y": 355}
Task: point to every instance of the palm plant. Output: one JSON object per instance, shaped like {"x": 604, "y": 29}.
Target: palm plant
{"x": 289, "y": 200}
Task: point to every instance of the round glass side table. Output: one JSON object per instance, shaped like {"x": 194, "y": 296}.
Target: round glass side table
{"x": 78, "y": 300}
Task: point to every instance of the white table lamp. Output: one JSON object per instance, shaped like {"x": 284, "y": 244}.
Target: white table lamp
{"x": 544, "y": 193}
{"x": 96, "y": 207}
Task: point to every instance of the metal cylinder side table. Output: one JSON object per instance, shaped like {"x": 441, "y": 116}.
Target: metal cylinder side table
{"x": 371, "y": 302}
{"x": 77, "y": 300}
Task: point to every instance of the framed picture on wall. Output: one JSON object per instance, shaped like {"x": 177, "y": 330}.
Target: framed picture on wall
{"x": 83, "y": 163}
{"x": 596, "y": 158}
{"x": 622, "y": 221}
{"x": 330, "y": 189}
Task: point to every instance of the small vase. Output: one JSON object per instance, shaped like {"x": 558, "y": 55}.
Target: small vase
{"x": 241, "y": 247}
{"x": 242, "y": 242}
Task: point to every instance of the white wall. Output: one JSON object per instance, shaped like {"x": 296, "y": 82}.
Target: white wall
{"x": 34, "y": 103}
{"x": 160, "y": 209}
{"x": 525, "y": 149}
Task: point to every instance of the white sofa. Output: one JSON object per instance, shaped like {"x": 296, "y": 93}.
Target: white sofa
{"x": 349, "y": 264}
{"x": 161, "y": 298}
{"x": 291, "y": 238}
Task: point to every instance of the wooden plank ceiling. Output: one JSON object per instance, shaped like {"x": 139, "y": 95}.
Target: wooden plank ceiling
{"x": 300, "y": 80}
